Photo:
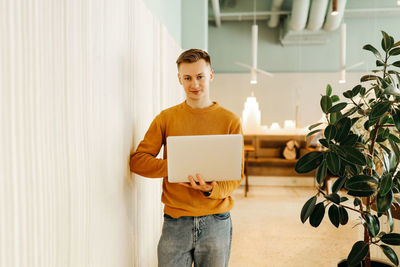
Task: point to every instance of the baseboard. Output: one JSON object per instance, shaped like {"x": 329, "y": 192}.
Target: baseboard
{"x": 280, "y": 181}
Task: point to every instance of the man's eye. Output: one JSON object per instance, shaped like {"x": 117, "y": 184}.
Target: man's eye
{"x": 200, "y": 77}
{"x": 187, "y": 78}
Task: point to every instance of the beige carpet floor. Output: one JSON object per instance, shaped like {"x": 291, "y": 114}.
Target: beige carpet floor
{"x": 267, "y": 230}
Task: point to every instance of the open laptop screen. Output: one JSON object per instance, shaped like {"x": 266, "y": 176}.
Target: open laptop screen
{"x": 214, "y": 157}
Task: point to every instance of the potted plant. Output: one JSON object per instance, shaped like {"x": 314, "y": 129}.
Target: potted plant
{"x": 361, "y": 148}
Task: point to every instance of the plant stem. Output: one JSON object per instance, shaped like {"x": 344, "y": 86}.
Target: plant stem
{"x": 358, "y": 106}
{"x": 347, "y": 207}
{"x": 367, "y": 238}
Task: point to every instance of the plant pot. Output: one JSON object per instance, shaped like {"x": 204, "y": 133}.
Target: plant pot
{"x": 374, "y": 263}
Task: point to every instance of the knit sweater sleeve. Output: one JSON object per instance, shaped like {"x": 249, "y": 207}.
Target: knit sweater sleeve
{"x": 224, "y": 189}
{"x": 143, "y": 161}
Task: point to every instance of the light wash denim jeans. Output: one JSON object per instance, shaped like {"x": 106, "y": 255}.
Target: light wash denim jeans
{"x": 204, "y": 240}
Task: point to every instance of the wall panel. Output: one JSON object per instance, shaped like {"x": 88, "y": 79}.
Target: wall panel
{"x": 80, "y": 83}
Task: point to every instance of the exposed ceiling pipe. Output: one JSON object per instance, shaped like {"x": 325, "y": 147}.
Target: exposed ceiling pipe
{"x": 332, "y": 22}
{"x": 342, "y": 53}
{"x": 274, "y": 19}
{"x": 217, "y": 13}
{"x": 254, "y": 39}
{"x": 317, "y": 15}
{"x": 299, "y": 15}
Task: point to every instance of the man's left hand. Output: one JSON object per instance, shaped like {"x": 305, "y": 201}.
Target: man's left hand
{"x": 201, "y": 185}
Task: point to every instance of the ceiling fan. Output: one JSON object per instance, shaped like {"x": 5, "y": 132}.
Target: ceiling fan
{"x": 254, "y": 43}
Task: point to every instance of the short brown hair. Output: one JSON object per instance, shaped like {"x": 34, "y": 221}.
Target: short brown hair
{"x": 193, "y": 55}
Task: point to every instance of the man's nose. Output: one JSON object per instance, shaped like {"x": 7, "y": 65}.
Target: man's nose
{"x": 195, "y": 83}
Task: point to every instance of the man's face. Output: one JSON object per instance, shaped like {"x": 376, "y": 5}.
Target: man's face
{"x": 195, "y": 78}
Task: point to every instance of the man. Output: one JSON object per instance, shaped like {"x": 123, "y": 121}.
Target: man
{"x": 197, "y": 226}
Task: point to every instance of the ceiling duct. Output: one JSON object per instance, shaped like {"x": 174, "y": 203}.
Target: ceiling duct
{"x": 217, "y": 13}
{"x": 317, "y": 14}
{"x": 298, "y": 18}
{"x": 320, "y": 23}
{"x": 273, "y": 21}
{"x": 332, "y": 22}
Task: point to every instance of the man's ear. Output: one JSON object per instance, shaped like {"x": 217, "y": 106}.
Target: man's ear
{"x": 211, "y": 75}
{"x": 179, "y": 78}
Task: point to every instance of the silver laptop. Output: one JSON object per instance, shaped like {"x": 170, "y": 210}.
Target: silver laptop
{"x": 214, "y": 157}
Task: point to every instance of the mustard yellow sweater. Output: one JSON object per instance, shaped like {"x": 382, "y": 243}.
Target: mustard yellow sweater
{"x": 184, "y": 120}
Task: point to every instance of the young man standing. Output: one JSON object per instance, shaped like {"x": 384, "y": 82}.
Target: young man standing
{"x": 197, "y": 225}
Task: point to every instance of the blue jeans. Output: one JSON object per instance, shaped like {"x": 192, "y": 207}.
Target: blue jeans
{"x": 204, "y": 240}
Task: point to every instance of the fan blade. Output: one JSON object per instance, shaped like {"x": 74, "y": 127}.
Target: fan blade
{"x": 265, "y": 72}
{"x": 355, "y": 65}
{"x": 244, "y": 65}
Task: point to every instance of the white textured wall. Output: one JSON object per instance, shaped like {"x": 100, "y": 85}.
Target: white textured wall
{"x": 80, "y": 81}
{"x": 279, "y": 95}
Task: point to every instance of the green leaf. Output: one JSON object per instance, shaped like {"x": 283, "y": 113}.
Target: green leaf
{"x": 373, "y": 50}
{"x": 351, "y": 155}
{"x": 356, "y": 89}
{"x": 391, "y": 239}
{"x": 361, "y": 183}
{"x": 383, "y": 203}
{"x": 335, "y": 116}
{"x": 343, "y": 215}
{"x": 335, "y": 98}
{"x": 330, "y": 132}
{"x": 343, "y": 128}
{"x": 321, "y": 173}
{"x": 372, "y": 224}
{"x": 328, "y": 90}
{"x": 389, "y": 252}
{"x": 361, "y": 193}
{"x": 314, "y": 125}
{"x": 386, "y": 42}
{"x": 317, "y": 215}
{"x": 326, "y": 103}
{"x": 333, "y": 162}
{"x": 338, "y": 184}
{"x": 348, "y": 94}
{"x": 357, "y": 202}
{"x": 350, "y": 112}
{"x": 309, "y": 162}
{"x": 362, "y": 91}
{"x": 368, "y": 78}
{"x": 308, "y": 209}
{"x": 394, "y": 161}
{"x": 390, "y": 219}
{"x": 396, "y": 64}
{"x": 350, "y": 140}
{"x": 313, "y": 132}
{"x": 379, "y": 63}
{"x": 333, "y": 213}
{"x": 394, "y": 51}
{"x": 324, "y": 142}
{"x": 351, "y": 169}
{"x": 370, "y": 162}
{"x": 338, "y": 107}
{"x": 385, "y": 184}
{"x": 394, "y": 138}
{"x": 335, "y": 198}
{"x": 357, "y": 253}
{"x": 379, "y": 110}
{"x": 396, "y": 118}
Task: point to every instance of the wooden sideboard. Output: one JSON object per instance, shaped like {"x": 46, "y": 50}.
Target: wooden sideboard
{"x": 267, "y": 159}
